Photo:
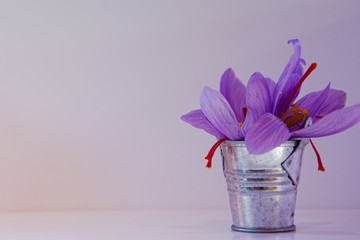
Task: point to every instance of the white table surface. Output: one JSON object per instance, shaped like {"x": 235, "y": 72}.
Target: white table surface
{"x": 170, "y": 224}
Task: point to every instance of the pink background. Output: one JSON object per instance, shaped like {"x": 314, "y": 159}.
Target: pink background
{"x": 91, "y": 93}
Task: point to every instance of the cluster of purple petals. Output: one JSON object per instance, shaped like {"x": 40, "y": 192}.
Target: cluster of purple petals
{"x": 266, "y": 101}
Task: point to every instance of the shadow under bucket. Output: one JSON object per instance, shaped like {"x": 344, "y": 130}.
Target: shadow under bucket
{"x": 262, "y": 188}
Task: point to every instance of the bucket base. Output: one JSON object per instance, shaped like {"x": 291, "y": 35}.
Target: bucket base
{"x": 263, "y": 230}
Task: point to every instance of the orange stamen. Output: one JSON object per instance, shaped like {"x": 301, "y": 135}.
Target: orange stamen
{"x": 212, "y": 151}
{"x": 294, "y": 119}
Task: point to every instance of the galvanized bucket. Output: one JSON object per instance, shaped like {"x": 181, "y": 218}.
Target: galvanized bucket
{"x": 262, "y": 188}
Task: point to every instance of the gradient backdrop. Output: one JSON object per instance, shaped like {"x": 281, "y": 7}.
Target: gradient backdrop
{"x": 91, "y": 93}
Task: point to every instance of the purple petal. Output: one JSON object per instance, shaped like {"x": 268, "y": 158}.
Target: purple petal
{"x": 271, "y": 84}
{"x": 287, "y": 91}
{"x": 197, "y": 119}
{"x": 266, "y": 134}
{"x": 335, "y": 100}
{"x": 218, "y": 111}
{"x": 302, "y": 61}
{"x": 315, "y": 108}
{"x": 335, "y": 122}
{"x": 288, "y": 71}
{"x": 258, "y": 96}
{"x": 249, "y": 122}
{"x": 234, "y": 92}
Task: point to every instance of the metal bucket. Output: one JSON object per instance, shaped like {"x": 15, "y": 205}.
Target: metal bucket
{"x": 262, "y": 188}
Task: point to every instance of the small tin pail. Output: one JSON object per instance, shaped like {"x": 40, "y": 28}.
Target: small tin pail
{"x": 262, "y": 188}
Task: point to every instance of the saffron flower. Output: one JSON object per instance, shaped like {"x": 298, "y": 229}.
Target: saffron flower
{"x": 265, "y": 114}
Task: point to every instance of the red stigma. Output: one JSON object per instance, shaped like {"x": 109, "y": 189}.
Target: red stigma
{"x": 321, "y": 167}
{"x": 306, "y": 74}
{"x": 245, "y": 112}
{"x": 212, "y": 151}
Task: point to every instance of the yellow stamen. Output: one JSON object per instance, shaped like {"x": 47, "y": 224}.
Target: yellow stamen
{"x": 298, "y": 116}
{"x": 241, "y": 124}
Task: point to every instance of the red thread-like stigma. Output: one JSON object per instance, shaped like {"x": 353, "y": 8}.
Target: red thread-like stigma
{"x": 306, "y": 74}
{"x": 321, "y": 167}
{"x": 212, "y": 151}
{"x": 245, "y": 112}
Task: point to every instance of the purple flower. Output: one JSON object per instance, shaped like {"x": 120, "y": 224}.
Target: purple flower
{"x": 221, "y": 112}
{"x": 326, "y": 108}
{"x": 264, "y": 113}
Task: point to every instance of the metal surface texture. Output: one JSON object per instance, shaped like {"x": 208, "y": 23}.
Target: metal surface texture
{"x": 262, "y": 188}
